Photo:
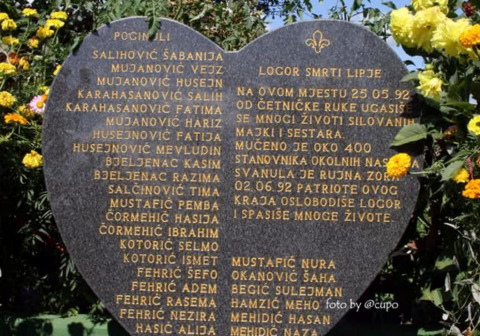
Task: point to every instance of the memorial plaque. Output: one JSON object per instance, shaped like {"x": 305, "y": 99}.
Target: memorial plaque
{"x": 204, "y": 192}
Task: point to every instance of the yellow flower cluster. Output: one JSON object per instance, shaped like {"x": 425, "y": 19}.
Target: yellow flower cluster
{"x": 55, "y": 21}
{"x": 33, "y": 43}
{"x": 429, "y": 28}
{"x": 6, "y": 99}
{"x": 424, "y": 24}
{"x": 7, "y": 69}
{"x": 472, "y": 189}
{"x": 398, "y": 165}
{"x": 10, "y": 41}
{"x": 474, "y": 125}
{"x": 430, "y": 85}
{"x": 9, "y": 24}
{"x": 416, "y": 31}
{"x": 44, "y": 32}
{"x": 59, "y": 16}
{"x": 419, "y": 5}
{"x": 447, "y": 37}
{"x": 30, "y": 12}
{"x": 462, "y": 176}
{"x": 24, "y": 64}
{"x": 32, "y": 160}
{"x": 400, "y": 25}
{"x": 15, "y": 118}
{"x": 19, "y": 113}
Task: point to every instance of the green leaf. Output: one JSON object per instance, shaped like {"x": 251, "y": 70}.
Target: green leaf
{"x": 356, "y": 5}
{"x": 437, "y": 297}
{"x": 444, "y": 264}
{"x": 434, "y": 296}
{"x": 152, "y": 31}
{"x": 432, "y": 103}
{"x": 476, "y": 292}
{"x": 426, "y": 295}
{"x": 389, "y": 4}
{"x": 451, "y": 170}
{"x": 199, "y": 16}
{"x": 410, "y": 133}
{"x": 411, "y": 76}
{"x": 300, "y": 14}
{"x": 460, "y": 105}
{"x": 76, "y": 43}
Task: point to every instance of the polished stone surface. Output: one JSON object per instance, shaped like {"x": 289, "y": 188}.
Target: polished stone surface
{"x": 168, "y": 160}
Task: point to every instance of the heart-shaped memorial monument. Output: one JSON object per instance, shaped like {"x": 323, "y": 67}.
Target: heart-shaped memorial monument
{"x": 204, "y": 192}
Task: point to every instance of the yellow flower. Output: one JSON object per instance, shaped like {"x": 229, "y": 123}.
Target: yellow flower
{"x": 6, "y": 99}
{"x": 3, "y": 17}
{"x": 30, "y": 12}
{"x": 59, "y": 16}
{"x": 447, "y": 37}
{"x": 57, "y": 70}
{"x": 423, "y": 26}
{"x": 9, "y": 24}
{"x": 430, "y": 86}
{"x": 32, "y": 160}
{"x": 461, "y": 176}
{"x": 7, "y": 69}
{"x": 10, "y": 41}
{"x": 418, "y": 5}
{"x": 33, "y": 43}
{"x": 45, "y": 89}
{"x": 24, "y": 64}
{"x": 398, "y": 165}
{"x": 54, "y": 23}
{"x": 15, "y": 118}
{"x": 474, "y": 125}
{"x": 470, "y": 37}
{"x": 44, "y": 32}
{"x": 26, "y": 111}
{"x": 472, "y": 189}
{"x": 401, "y": 25}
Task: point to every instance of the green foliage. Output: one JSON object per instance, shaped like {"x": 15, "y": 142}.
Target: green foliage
{"x": 444, "y": 247}
{"x": 360, "y": 10}
{"x": 409, "y": 134}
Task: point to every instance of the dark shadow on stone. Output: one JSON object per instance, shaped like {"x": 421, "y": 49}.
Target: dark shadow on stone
{"x": 115, "y": 329}
{"x": 413, "y": 107}
{"x": 76, "y": 329}
{"x": 34, "y": 328}
{"x": 370, "y": 323}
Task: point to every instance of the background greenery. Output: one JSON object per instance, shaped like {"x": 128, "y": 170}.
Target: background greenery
{"x": 433, "y": 275}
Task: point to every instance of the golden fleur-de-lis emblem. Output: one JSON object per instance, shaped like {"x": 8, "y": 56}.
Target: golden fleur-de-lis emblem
{"x": 317, "y": 42}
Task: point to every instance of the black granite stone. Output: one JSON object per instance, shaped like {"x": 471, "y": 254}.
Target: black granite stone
{"x": 204, "y": 192}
